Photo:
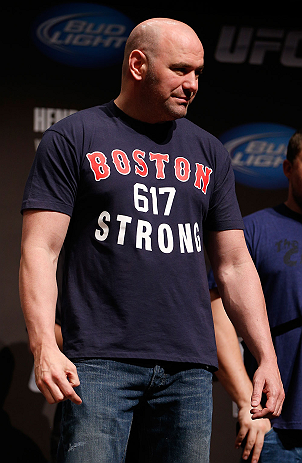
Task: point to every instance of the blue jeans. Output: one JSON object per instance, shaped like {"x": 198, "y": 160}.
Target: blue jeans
{"x": 175, "y": 412}
{"x": 282, "y": 446}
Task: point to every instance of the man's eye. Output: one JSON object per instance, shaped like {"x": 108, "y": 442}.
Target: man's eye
{"x": 180, "y": 71}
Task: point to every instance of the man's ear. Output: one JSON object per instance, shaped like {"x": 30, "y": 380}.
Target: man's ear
{"x": 287, "y": 168}
{"x": 137, "y": 64}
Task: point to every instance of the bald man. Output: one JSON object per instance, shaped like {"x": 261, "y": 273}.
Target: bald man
{"x": 133, "y": 189}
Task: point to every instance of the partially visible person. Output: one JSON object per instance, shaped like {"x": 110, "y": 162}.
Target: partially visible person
{"x": 56, "y": 427}
{"x": 274, "y": 239}
{"x": 233, "y": 376}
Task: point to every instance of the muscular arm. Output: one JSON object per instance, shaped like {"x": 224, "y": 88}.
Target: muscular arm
{"x": 42, "y": 238}
{"x": 233, "y": 376}
{"x": 239, "y": 286}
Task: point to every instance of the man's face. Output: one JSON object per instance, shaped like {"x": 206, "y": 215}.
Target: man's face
{"x": 171, "y": 81}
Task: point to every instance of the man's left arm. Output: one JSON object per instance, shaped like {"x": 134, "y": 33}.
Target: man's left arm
{"x": 240, "y": 289}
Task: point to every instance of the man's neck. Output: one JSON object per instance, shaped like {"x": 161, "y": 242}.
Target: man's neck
{"x": 126, "y": 105}
{"x": 293, "y": 206}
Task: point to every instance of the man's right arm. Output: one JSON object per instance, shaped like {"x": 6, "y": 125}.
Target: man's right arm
{"x": 240, "y": 289}
{"x": 43, "y": 234}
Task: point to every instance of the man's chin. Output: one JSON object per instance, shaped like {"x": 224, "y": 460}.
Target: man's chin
{"x": 180, "y": 110}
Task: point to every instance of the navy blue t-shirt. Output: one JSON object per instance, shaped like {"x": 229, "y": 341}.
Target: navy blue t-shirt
{"x": 274, "y": 239}
{"x": 139, "y": 197}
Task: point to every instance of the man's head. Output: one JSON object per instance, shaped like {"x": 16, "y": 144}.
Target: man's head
{"x": 163, "y": 60}
{"x": 292, "y": 167}
{"x": 294, "y": 146}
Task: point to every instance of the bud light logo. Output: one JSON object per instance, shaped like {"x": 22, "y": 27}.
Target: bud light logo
{"x": 83, "y": 34}
{"x": 257, "y": 152}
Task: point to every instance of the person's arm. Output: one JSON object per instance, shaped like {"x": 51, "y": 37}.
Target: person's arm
{"x": 234, "y": 378}
{"x": 240, "y": 289}
{"x": 43, "y": 234}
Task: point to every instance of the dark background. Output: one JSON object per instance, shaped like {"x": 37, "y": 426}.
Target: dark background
{"x": 230, "y": 94}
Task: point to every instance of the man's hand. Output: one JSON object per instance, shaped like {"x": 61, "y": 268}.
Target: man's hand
{"x": 56, "y": 376}
{"x": 268, "y": 381}
{"x": 253, "y": 432}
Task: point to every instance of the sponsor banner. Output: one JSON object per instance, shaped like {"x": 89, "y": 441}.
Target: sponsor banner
{"x": 252, "y": 45}
{"x": 257, "y": 152}
{"x": 83, "y": 34}
{"x": 43, "y": 118}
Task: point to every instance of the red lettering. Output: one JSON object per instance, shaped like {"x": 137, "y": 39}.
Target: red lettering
{"x": 142, "y": 168}
{"x": 98, "y": 164}
{"x": 121, "y": 162}
{"x": 159, "y": 163}
{"x": 202, "y": 174}
{"x": 182, "y": 169}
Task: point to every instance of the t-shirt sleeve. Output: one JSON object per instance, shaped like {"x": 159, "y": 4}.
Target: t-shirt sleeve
{"x": 211, "y": 280}
{"x": 224, "y": 212}
{"x": 53, "y": 179}
{"x": 251, "y": 234}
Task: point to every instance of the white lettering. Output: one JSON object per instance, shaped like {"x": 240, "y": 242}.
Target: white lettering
{"x": 45, "y": 117}
{"x": 123, "y": 219}
{"x": 55, "y": 38}
{"x": 185, "y": 237}
{"x": 164, "y": 231}
{"x": 171, "y": 193}
{"x": 140, "y": 201}
{"x": 260, "y": 160}
{"x": 143, "y": 233}
{"x": 115, "y": 29}
{"x": 144, "y": 238}
{"x": 256, "y": 147}
{"x": 197, "y": 237}
{"x": 264, "y": 160}
{"x": 272, "y": 148}
{"x": 75, "y": 25}
{"x": 83, "y": 40}
{"x": 154, "y": 200}
{"x": 101, "y": 236}
{"x": 92, "y": 29}
{"x": 39, "y": 120}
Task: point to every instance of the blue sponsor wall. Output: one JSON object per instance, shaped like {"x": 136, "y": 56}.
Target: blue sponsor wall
{"x": 59, "y": 58}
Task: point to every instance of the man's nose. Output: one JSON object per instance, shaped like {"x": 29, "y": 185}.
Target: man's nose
{"x": 191, "y": 82}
